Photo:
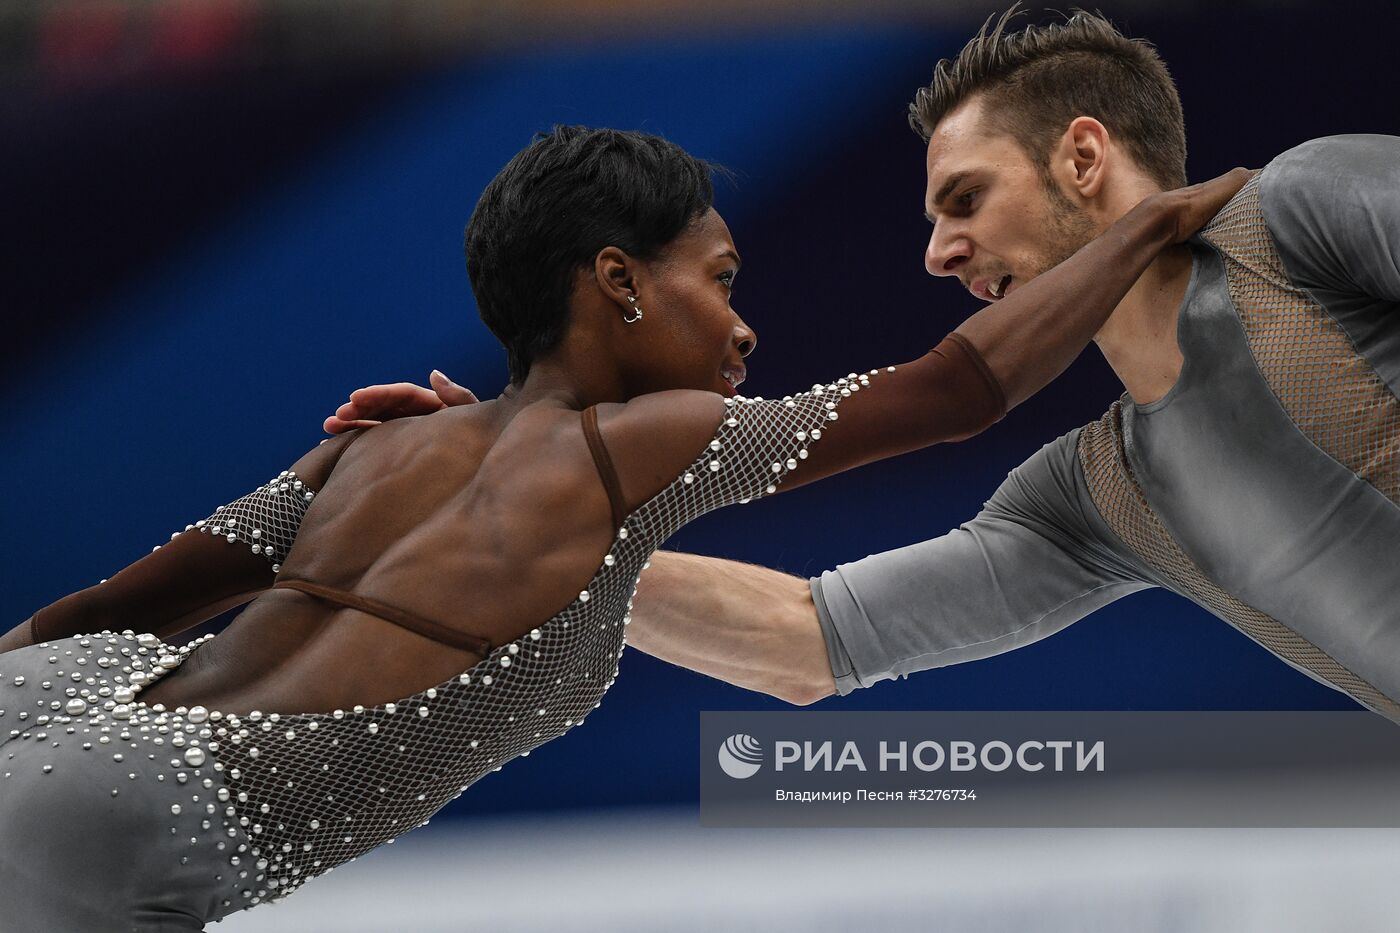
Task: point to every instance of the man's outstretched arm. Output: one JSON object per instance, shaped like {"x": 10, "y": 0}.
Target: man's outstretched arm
{"x": 747, "y": 625}
{"x": 1033, "y": 561}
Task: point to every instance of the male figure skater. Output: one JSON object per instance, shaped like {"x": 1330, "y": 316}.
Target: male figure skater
{"x": 1253, "y": 465}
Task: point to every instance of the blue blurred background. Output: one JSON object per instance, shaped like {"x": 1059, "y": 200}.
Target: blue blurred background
{"x": 223, "y": 216}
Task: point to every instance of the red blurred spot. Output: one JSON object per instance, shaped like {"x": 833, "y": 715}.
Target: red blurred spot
{"x": 198, "y": 32}
{"x": 79, "y": 44}
{"x": 102, "y": 42}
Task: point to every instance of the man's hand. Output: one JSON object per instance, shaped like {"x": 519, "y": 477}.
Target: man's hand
{"x": 375, "y": 404}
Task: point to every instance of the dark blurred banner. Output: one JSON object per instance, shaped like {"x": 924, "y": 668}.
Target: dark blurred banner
{"x": 67, "y": 45}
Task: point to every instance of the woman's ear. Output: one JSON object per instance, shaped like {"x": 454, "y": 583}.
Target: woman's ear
{"x": 1084, "y": 152}
{"x": 616, "y": 273}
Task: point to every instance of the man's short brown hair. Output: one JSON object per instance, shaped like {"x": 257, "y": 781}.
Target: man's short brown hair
{"x": 1037, "y": 80}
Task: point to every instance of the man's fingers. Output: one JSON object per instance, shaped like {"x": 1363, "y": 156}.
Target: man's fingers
{"x": 397, "y": 399}
{"x": 450, "y": 392}
{"x": 341, "y": 425}
{"x": 376, "y": 404}
{"x": 371, "y": 396}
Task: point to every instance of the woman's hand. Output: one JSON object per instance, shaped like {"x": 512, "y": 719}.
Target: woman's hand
{"x": 1186, "y": 210}
{"x": 375, "y": 404}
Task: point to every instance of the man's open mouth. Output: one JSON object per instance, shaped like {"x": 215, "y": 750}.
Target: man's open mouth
{"x": 998, "y": 289}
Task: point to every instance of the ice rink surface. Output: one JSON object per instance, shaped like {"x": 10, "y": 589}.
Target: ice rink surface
{"x": 662, "y": 871}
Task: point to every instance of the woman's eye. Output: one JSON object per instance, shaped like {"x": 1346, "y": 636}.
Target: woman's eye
{"x": 727, "y": 278}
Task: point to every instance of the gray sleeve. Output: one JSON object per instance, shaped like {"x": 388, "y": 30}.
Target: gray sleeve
{"x": 1333, "y": 207}
{"x": 1034, "y": 560}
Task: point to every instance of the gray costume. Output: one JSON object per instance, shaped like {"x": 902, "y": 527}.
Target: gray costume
{"x": 1265, "y": 486}
{"x": 108, "y": 824}
{"x": 118, "y": 815}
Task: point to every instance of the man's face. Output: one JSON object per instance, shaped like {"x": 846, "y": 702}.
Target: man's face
{"x": 997, "y": 223}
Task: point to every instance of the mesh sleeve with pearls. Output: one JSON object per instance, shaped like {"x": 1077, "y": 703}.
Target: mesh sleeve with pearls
{"x": 265, "y": 520}
{"x": 759, "y": 443}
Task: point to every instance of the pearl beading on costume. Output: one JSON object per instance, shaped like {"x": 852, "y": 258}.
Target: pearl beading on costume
{"x": 312, "y": 791}
{"x": 266, "y": 520}
{"x": 89, "y": 701}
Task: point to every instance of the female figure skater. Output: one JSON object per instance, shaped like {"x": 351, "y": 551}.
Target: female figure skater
{"x": 459, "y": 587}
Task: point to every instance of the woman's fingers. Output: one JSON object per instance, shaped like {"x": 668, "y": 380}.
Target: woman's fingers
{"x": 1199, "y": 204}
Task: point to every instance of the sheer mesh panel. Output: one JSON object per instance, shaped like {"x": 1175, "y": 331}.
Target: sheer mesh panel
{"x": 1121, "y": 502}
{"x": 313, "y": 791}
{"x": 266, "y": 519}
{"x": 1330, "y": 391}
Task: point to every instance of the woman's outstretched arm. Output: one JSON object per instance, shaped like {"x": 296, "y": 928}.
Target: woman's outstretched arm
{"x": 997, "y": 358}
{"x": 1013, "y": 348}
{"x": 187, "y": 581}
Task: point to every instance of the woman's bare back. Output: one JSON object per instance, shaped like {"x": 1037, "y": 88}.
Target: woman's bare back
{"x": 484, "y": 519}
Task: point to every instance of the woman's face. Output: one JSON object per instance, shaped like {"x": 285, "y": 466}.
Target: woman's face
{"x": 693, "y": 339}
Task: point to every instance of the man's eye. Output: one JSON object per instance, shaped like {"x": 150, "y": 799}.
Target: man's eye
{"x": 727, "y": 278}
{"x": 965, "y": 199}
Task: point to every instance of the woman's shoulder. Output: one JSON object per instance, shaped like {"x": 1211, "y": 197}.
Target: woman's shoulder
{"x": 653, "y": 438}
{"x": 676, "y": 415}
{"x": 675, "y": 410}
{"x": 316, "y": 466}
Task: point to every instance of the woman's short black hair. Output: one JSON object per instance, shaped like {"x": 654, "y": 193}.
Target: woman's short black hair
{"x": 570, "y": 193}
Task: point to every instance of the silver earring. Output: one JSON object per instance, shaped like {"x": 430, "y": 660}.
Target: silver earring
{"x": 638, "y": 316}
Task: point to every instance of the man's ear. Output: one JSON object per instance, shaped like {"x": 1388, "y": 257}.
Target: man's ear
{"x": 1083, "y": 152}
{"x": 616, "y": 276}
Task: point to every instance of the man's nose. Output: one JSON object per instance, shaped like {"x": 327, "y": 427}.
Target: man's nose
{"x": 948, "y": 249}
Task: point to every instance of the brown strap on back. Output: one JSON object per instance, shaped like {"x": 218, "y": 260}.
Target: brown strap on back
{"x": 605, "y": 466}
{"x": 425, "y": 627}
